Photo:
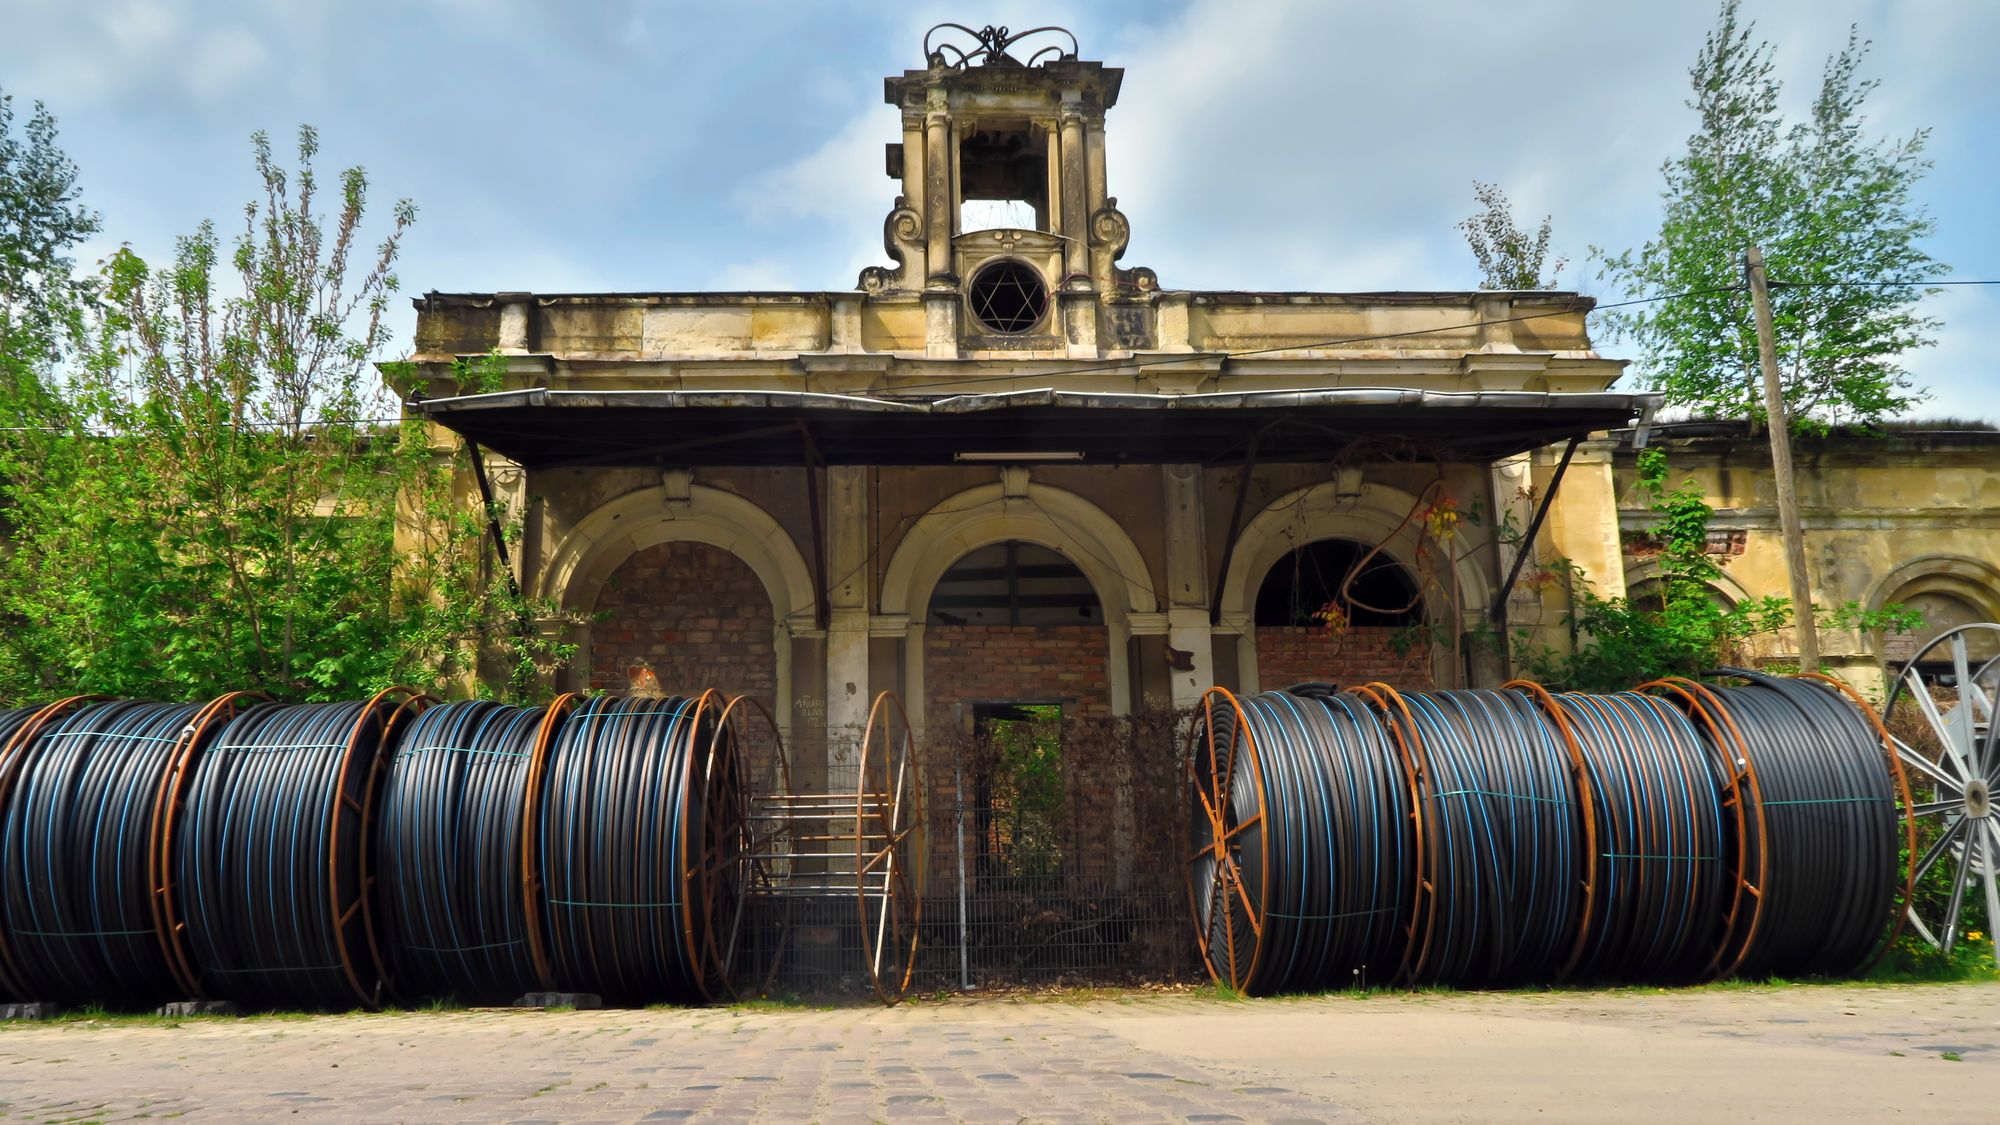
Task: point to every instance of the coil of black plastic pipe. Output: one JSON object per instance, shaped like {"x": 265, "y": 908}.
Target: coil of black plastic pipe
{"x": 1661, "y": 870}
{"x": 1821, "y": 829}
{"x": 449, "y": 852}
{"x": 1305, "y": 866}
{"x": 628, "y": 893}
{"x": 268, "y": 854}
{"x": 76, "y": 895}
{"x": 1504, "y": 856}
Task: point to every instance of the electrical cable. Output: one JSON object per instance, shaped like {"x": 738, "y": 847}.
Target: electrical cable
{"x": 1307, "y": 857}
{"x": 1822, "y": 824}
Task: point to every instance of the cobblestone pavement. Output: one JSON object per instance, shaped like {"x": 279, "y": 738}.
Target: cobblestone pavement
{"x": 1854, "y": 1053}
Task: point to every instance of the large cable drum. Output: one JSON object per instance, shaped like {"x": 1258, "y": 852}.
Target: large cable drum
{"x": 636, "y": 879}
{"x": 269, "y": 848}
{"x": 77, "y": 915}
{"x": 1661, "y": 866}
{"x": 1504, "y": 853}
{"x": 1306, "y": 858}
{"x": 451, "y": 852}
{"x": 1821, "y": 823}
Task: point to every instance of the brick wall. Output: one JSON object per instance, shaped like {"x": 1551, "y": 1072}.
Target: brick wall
{"x": 695, "y": 614}
{"x": 1288, "y": 655}
{"x": 1028, "y": 663}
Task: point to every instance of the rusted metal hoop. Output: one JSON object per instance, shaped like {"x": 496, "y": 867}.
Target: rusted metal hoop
{"x": 168, "y": 802}
{"x": 1228, "y": 873}
{"x": 408, "y": 701}
{"x": 1587, "y": 811}
{"x": 686, "y": 875}
{"x": 896, "y": 881}
{"x": 1423, "y": 899}
{"x": 1901, "y": 908}
{"x": 1740, "y": 767}
{"x": 722, "y": 953}
{"x": 532, "y": 891}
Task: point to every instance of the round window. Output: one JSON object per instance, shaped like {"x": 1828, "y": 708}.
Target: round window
{"x": 1008, "y": 296}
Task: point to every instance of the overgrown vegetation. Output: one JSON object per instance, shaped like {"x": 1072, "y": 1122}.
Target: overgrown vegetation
{"x": 1681, "y": 628}
{"x": 1509, "y": 256}
{"x": 206, "y": 487}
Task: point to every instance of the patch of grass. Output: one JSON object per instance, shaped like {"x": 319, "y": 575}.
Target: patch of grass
{"x": 1216, "y": 990}
{"x": 778, "y": 1002}
{"x": 1951, "y": 1056}
{"x": 1912, "y": 960}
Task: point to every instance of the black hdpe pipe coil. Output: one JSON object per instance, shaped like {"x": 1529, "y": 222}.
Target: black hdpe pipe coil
{"x": 270, "y": 853}
{"x": 1661, "y": 869}
{"x": 1821, "y": 824}
{"x": 1504, "y": 856}
{"x": 1306, "y": 851}
{"x": 76, "y": 889}
{"x": 451, "y": 848}
{"x": 632, "y": 887}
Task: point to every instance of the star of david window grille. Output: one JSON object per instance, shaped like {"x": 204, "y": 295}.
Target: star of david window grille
{"x": 1008, "y": 297}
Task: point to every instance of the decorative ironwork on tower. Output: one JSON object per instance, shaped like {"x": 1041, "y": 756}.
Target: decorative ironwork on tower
{"x": 1034, "y": 260}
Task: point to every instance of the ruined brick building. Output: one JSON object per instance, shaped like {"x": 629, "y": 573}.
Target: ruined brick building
{"x": 1005, "y": 466}
{"x": 1010, "y": 477}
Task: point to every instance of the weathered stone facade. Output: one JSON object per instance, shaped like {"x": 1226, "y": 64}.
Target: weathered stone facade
{"x": 1910, "y": 518}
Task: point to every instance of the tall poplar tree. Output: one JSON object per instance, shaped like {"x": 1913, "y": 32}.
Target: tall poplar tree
{"x": 1831, "y": 206}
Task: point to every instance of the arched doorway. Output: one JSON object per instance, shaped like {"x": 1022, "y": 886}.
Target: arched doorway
{"x": 1336, "y": 610}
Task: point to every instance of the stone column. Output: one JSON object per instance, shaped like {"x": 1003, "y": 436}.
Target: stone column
{"x": 1074, "y": 219}
{"x": 939, "y": 200}
{"x": 1189, "y": 637}
{"x": 847, "y": 688}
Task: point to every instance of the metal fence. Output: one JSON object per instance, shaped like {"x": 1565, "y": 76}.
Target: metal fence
{"x": 1053, "y": 853}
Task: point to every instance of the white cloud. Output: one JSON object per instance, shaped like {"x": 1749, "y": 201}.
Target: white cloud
{"x": 1959, "y": 372}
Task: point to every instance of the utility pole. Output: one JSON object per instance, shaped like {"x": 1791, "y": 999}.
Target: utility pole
{"x": 1779, "y": 428}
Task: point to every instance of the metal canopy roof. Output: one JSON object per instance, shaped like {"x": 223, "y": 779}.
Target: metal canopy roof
{"x": 542, "y": 428}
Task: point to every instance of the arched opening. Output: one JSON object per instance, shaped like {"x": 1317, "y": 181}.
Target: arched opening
{"x": 1015, "y": 664}
{"x": 684, "y": 616}
{"x": 1942, "y": 612}
{"x": 1336, "y": 611}
{"x": 1341, "y": 574}
{"x": 1014, "y": 583}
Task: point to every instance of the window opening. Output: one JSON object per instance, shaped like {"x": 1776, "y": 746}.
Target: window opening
{"x": 1014, "y": 583}
{"x": 1306, "y": 584}
{"x": 1004, "y": 162}
{"x": 1018, "y": 791}
{"x": 1008, "y": 296}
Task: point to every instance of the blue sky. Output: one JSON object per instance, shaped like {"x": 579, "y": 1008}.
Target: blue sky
{"x": 1264, "y": 144}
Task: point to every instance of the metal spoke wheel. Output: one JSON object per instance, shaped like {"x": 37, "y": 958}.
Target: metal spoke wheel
{"x": 1226, "y": 818}
{"x": 888, "y": 848}
{"x": 1960, "y": 767}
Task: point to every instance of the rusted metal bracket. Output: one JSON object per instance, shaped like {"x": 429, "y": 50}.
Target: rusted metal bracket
{"x": 492, "y": 519}
{"x": 1499, "y": 611}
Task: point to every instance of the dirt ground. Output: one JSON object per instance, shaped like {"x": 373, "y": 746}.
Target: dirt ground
{"x": 1820, "y": 1053}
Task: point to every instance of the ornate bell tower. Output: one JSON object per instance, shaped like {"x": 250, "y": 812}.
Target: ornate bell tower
{"x": 1032, "y": 264}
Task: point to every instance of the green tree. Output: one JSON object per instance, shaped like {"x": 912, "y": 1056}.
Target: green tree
{"x": 41, "y": 222}
{"x": 222, "y": 497}
{"x": 1508, "y": 256}
{"x": 1832, "y": 209}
